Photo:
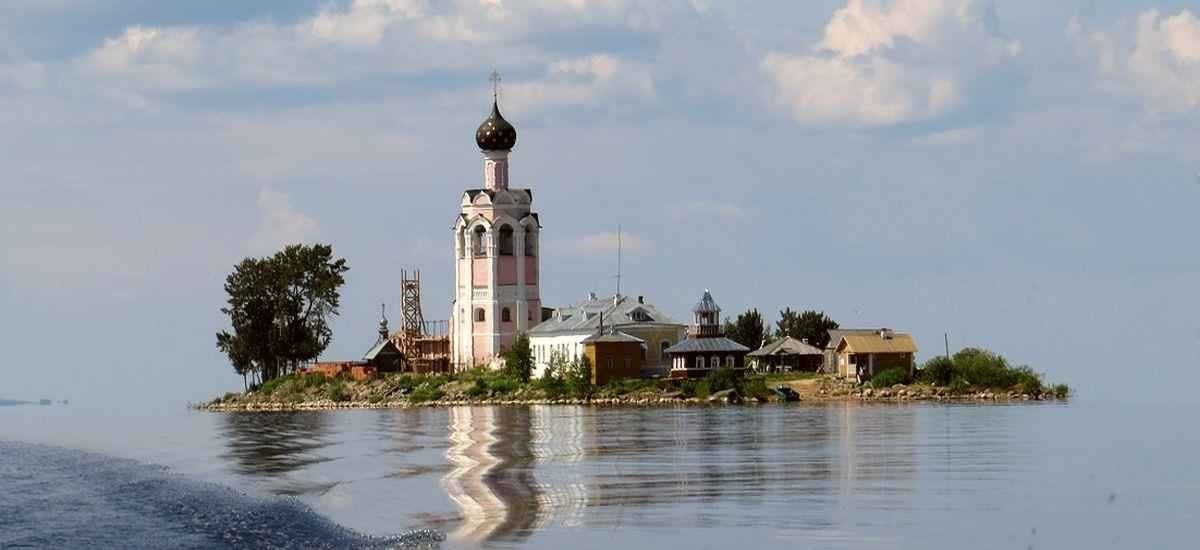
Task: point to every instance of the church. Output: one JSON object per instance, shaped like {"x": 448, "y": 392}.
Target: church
{"x": 496, "y": 255}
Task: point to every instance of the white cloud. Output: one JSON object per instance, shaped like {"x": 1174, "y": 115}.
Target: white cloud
{"x": 601, "y": 244}
{"x": 280, "y": 223}
{"x": 581, "y": 81}
{"x": 1158, "y": 58}
{"x": 888, "y": 63}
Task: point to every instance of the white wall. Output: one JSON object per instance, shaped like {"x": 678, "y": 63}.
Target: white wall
{"x": 544, "y": 347}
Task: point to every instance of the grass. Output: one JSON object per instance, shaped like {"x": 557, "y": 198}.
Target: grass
{"x": 628, "y": 386}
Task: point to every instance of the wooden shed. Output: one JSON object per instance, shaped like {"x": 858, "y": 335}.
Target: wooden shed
{"x": 864, "y": 355}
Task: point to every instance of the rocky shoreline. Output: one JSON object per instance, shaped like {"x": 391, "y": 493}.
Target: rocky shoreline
{"x": 895, "y": 394}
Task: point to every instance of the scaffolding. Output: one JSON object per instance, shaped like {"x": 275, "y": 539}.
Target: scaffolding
{"x": 425, "y": 344}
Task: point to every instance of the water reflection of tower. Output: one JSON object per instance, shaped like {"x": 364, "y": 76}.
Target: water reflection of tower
{"x": 491, "y": 480}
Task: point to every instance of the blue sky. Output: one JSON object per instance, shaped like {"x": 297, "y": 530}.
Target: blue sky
{"x": 1023, "y": 176}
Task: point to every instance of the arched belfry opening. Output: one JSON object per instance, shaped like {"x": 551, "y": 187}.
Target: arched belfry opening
{"x": 506, "y": 240}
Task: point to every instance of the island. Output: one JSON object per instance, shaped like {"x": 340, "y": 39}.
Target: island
{"x": 971, "y": 374}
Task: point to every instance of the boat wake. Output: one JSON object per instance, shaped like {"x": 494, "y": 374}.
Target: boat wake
{"x": 61, "y": 498}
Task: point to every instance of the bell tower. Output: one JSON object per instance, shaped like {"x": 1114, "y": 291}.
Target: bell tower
{"x": 496, "y": 253}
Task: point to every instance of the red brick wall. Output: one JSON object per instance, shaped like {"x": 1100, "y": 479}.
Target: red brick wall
{"x": 355, "y": 370}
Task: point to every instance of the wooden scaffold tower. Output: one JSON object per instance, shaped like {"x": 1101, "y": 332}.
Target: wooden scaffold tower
{"x": 424, "y": 350}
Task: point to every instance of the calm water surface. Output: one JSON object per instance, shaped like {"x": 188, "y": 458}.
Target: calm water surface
{"x": 1081, "y": 475}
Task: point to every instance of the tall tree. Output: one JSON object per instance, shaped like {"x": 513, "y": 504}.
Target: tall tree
{"x": 813, "y": 325}
{"x": 748, "y": 329}
{"x": 279, "y": 308}
{"x": 518, "y": 360}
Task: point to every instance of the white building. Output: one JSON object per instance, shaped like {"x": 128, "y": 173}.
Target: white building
{"x": 563, "y": 334}
{"x": 496, "y": 256}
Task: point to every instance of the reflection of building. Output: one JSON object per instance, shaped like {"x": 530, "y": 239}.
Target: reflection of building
{"x": 706, "y": 347}
{"x": 496, "y": 251}
{"x": 563, "y": 334}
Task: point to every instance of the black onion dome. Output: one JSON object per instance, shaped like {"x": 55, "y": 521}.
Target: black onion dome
{"x": 496, "y": 134}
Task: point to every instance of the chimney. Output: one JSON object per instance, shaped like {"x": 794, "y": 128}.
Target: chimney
{"x": 885, "y": 333}
{"x": 641, "y": 299}
{"x": 804, "y": 341}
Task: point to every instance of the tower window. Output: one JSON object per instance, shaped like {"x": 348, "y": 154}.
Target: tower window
{"x": 480, "y": 316}
{"x": 478, "y": 242}
{"x": 505, "y": 316}
{"x": 506, "y": 241}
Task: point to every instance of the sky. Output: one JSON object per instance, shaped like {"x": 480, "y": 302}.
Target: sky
{"x": 1021, "y": 176}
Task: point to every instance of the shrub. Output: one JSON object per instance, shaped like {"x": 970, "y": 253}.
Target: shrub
{"x": 721, "y": 379}
{"x": 938, "y": 371}
{"x": 428, "y": 391}
{"x": 958, "y": 387}
{"x": 755, "y": 388}
{"x": 269, "y": 387}
{"x": 336, "y": 391}
{"x": 1027, "y": 381}
{"x": 1060, "y": 390}
{"x": 984, "y": 368}
{"x": 578, "y": 378}
{"x": 890, "y": 377}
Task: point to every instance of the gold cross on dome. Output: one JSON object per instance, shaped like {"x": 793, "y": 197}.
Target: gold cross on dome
{"x": 495, "y": 78}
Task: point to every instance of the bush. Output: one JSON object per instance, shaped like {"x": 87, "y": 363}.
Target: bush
{"x": 336, "y": 391}
{"x": 890, "y": 377}
{"x": 269, "y": 387}
{"x": 755, "y": 388}
{"x": 1027, "y": 381}
{"x": 428, "y": 391}
{"x": 1060, "y": 390}
{"x": 984, "y": 368}
{"x": 938, "y": 371}
{"x": 721, "y": 379}
{"x": 959, "y": 387}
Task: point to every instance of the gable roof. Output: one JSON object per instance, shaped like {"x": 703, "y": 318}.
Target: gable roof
{"x": 585, "y": 317}
{"x": 874, "y": 343}
{"x": 785, "y": 346}
{"x": 835, "y": 335}
{"x": 705, "y": 345}
{"x": 613, "y": 336}
{"x": 384, "y": 346}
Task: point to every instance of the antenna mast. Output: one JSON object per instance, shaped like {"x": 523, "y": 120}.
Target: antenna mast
{"x": 618, "y": 260}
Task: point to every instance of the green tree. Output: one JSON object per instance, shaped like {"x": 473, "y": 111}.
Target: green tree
{"x": 748, "y": 329}
{"x": 813, "y": 325}
{"x": 578, "y": 378}
{"x": 279, "y": 308}
{"x": 518, "y": 360}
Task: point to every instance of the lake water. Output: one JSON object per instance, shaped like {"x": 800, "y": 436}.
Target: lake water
{"x": 846, "y": 475}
